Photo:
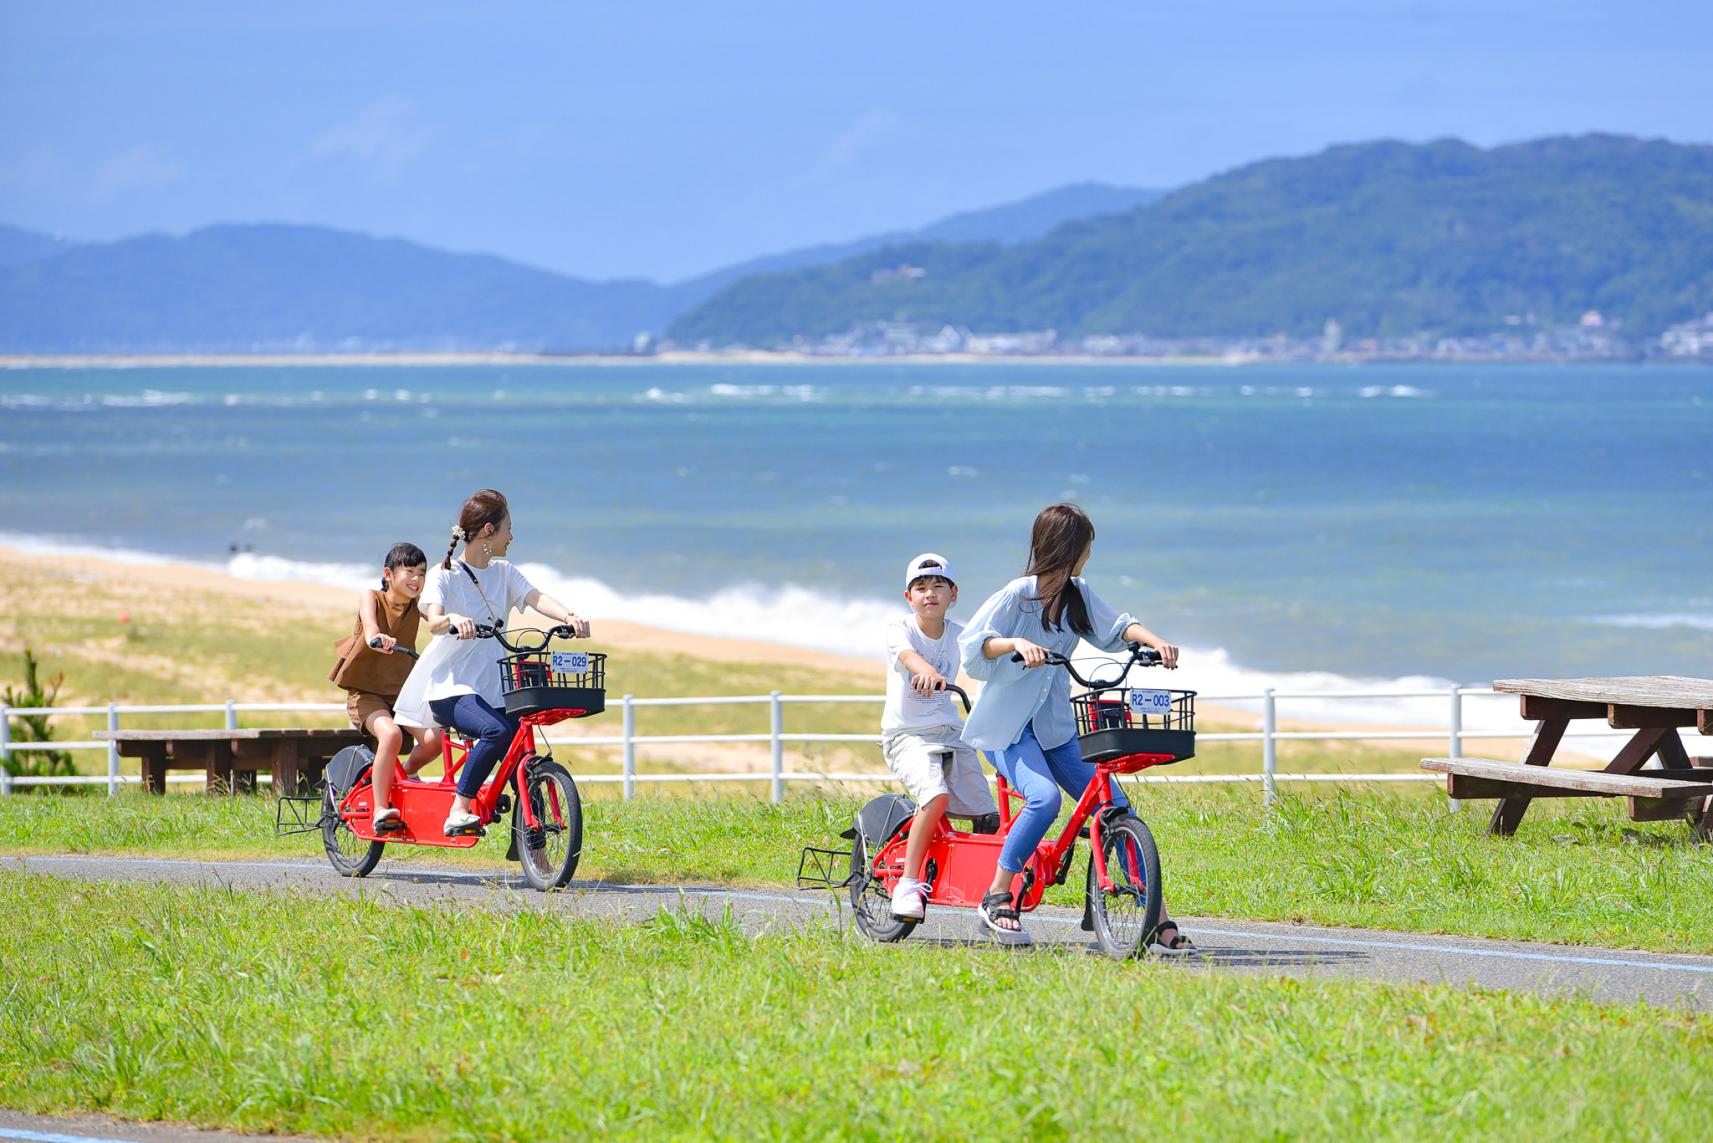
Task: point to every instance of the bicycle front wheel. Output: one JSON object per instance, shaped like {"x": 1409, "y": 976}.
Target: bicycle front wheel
{"x": 549, "y": 851}
{"x": 1124, "y": 918}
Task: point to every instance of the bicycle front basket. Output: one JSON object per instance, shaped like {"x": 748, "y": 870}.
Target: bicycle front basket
{"x": 1120, "y": 721}
{"x": 574, "y": 681}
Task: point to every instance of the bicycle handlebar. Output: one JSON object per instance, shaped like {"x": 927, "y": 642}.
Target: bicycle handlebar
{"x": 498, "y": 634}
{"x": 1139, "y": 655}
{"x": 398, "y": 648}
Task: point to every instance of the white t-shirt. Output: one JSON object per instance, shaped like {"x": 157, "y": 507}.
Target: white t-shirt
{"x": 905, "y": 709}
{"x": 454, "y": 666}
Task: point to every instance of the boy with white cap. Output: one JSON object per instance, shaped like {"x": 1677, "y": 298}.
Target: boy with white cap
{"x": 920, "y": 726}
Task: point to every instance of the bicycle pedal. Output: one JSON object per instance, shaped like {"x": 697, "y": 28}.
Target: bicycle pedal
{"x": 391, "y": 825}
{"x": 467, "y": 831}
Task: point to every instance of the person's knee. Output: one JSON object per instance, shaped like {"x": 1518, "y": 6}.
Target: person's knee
{"x": 497, "y": 730}
{"x": 934, "y": 807}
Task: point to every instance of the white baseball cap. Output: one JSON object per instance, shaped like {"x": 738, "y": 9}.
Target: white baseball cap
{"x": 929, "y": 563}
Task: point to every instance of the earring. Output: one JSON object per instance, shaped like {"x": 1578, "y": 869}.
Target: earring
{"x": 487, "y": 549}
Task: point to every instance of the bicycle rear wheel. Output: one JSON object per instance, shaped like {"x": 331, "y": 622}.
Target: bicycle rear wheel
{"x": 871, "y": 903}
{"x": 1124, "y": 918}
{"x": 349, "y": 854}
{"x": 549, "y": 852}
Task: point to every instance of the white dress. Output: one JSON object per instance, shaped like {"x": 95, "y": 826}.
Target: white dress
{"x": 453, "y": 666}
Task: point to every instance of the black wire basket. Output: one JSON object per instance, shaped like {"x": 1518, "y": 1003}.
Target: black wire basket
{"x": 574, "y": 681}
{"x": 1120, "y": 721}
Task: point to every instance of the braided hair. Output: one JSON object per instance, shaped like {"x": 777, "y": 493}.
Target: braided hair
{"x": 485, "y": 507}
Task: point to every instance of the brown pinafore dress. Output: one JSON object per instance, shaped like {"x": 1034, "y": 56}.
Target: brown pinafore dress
{"x": 371, "y": 678}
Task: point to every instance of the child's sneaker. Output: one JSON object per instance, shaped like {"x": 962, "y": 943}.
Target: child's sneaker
{"x": 910, "y": 899}
{"x": 459, "y": 822}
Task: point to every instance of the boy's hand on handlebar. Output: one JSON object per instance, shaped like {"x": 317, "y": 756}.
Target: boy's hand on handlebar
{"x": 928, "y": 683}
{"x": 1032, "y": 654}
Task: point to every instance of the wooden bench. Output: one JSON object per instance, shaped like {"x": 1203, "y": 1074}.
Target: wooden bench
{"x": 1655, "y": 795}
{"x": 295, "y": 756}
{"x": 1654, "y": 707}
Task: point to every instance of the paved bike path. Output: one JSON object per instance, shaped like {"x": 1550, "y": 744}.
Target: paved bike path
{"x": 1668, "y": 980}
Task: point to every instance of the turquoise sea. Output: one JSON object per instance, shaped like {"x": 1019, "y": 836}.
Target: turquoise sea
{"x": 1378, "y": 522}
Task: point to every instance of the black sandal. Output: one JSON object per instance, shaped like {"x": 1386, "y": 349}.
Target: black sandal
{"x": 1179, "y": 945}
{"x": 999, "y": 906}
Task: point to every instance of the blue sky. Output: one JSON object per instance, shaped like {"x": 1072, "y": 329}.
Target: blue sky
{"x": 663, "y": 139}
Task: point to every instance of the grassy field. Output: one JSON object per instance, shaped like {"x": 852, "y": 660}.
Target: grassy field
{"x": 356, "y": 1020}
{"x": 1379, "y": 857}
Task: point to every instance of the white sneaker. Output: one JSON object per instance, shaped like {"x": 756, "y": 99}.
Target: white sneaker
{"x": 458, "y": 822}
{"x": 910, "y": 899}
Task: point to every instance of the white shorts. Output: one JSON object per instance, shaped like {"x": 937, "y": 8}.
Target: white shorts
{"x": 932, "y": 761}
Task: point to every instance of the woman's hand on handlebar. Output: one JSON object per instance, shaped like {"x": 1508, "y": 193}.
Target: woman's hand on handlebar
{"x": 462, "y": 626}
{"x": 1168, "y": 654}
{"x": 574, "y": 627}
{"x": 1032, "y": 654}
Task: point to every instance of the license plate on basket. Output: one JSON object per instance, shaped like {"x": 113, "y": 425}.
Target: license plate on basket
{"x": 1151, "y": 702}
{"x": 570, "y": 662}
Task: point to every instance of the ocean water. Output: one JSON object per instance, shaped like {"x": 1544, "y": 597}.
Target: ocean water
{"x": 1327, "y": 525}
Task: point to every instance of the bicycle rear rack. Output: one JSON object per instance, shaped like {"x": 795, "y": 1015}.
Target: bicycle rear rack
{"x": 294, "y": 814}
{"x": 817, "y": 868}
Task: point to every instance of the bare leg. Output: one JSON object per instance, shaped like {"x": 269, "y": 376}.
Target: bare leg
{"x": 922, "y": 828}
{"x": 388, "y": 739}
{"x": 427, "y": 749}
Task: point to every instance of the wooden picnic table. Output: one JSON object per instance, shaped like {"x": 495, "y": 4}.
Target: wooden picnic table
{"x": 294, "y": 756}
{"x": 1656, "y": 707}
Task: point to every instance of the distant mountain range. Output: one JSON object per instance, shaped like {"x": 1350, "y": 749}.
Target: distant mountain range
{"x": 272, "y": 288}
{"x": 1387, "y": 238}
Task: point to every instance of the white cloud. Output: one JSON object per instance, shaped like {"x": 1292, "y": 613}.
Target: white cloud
{"x": 387, "y": 134}
{"x": 137, "y": 168}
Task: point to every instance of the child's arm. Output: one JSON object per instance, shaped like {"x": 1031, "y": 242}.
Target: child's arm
{"x": 372, "y": 625}
{"x": 924, "y": 679}
{"x": 555, "y": 610}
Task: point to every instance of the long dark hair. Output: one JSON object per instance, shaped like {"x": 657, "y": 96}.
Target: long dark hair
{"x": 485, "y": 507}
{"x": 1062, "y": 533}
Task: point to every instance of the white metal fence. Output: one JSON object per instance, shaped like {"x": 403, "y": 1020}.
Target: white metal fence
{"x": 1266, "y": 706}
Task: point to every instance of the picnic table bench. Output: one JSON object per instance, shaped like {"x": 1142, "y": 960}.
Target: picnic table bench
{"x": 1656, "y": 707}
{"x": 231, "y": 758}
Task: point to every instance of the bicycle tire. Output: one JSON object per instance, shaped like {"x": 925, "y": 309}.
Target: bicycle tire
{"x": 871, "y": 904}
{"x": 1124, "y": 919}
{"x": 349, "y": 854}
{"x": 548, "y": 854}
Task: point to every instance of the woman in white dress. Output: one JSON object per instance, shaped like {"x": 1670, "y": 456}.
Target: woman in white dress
{"x": 456, "y": 683}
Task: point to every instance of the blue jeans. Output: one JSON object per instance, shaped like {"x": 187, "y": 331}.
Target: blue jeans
{"x": 1037, "y": 773}
{"x": 491, "y": 730}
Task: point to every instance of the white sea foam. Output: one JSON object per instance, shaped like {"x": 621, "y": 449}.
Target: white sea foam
{"x": 1659, "y": 621}
{"x": 1403, "y": 391}
{"x": 804, "y": 617}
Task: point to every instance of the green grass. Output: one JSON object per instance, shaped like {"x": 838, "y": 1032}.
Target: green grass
{"x": 1576, "y": 873}
{"x": 355, "y": 1019}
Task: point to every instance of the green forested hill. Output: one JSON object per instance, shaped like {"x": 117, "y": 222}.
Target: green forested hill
{"x": 1388, "y": 238}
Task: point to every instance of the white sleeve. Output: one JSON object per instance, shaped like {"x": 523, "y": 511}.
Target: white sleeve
{"x": 1108, "y": 625}
{"x": 897, "y": 642}
{"x": 434, "y": 587}
{"x": 517, "y": 587}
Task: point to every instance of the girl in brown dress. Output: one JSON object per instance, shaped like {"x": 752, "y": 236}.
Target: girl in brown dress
{"x": 372, "y": 673}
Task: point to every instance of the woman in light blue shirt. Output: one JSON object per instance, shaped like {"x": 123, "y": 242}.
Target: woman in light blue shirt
{"x": 1022, "y": 717}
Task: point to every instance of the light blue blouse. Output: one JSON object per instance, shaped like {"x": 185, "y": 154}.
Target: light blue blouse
{"x": 1011, "y": 695}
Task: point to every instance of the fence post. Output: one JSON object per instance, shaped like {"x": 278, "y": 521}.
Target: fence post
{"x": 1269, "y": 749}
{"x": 1456, "y": 734}
{"x": 778, "y": 728}
{"x": 112, "y": 750}
{"x": 231, "y": 714}
{"x": 5, "y": 750}
{"x": 630, "y": 748}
